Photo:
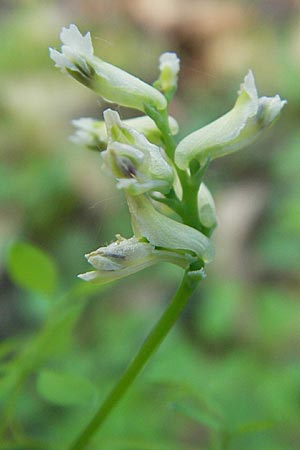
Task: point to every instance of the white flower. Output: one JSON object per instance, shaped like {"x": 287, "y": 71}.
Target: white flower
{"x": 127, "y": 256}
{"x": 113, "y": 84}
{"x": 233, "y": 131}
{"x": 76, "y": 51}
{"x": 169, "y": 65}
{"x": 164, "y": 232}
{"x": 138, "y": 165}
{"x": 92, "y": 133}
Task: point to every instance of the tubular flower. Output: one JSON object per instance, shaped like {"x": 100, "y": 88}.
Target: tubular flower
{"x": 233, "y": 131}
{"x": 138, "y": 165}
{"x": 127, "y": 256}
{"x": 92, "y": 133}
{"x": 110, "y": 82}
{"x": 162, "y": 231}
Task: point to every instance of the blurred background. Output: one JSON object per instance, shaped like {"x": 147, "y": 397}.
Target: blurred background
{"x": 228, "y": 375}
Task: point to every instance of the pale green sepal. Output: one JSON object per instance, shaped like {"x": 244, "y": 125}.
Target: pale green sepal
{"x": 127, "y": 256}
{"x": 162, "y": 231}
{"x": 113, "y": 84}
{"x": 233, "y": 131}
{"x": 138, "y": 165}
{"x": 206, "y": 207}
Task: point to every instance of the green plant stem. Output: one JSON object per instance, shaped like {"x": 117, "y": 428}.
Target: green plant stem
{"x": 188, "y": 209}
{"x": 190, "y": 203}
{"x": 147, "y": 349}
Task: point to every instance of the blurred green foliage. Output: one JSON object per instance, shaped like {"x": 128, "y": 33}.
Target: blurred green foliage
{"x": 228, "y": 376}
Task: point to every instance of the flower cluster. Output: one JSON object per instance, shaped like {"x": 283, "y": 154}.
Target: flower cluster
{"x": 149, "y": 167}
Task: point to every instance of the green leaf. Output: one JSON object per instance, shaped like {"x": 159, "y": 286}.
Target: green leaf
{"x": 199, "y": 416}
{"x": 64, "y": 389}
{"x": 31, "y": 268}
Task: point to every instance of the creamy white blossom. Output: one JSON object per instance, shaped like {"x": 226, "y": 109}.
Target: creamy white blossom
{"x": 127, "y": 256}
{"x": 169, "y": 65}
{"x": 138, "y": 165}
{"x": 75, "y": 51}
{"x": 89, "y": 132}
{"x": 110, "y": 82}
{"x": 92, "y": 133}
{"x": 162, "y": 231}
{"x": 233, "y": 131}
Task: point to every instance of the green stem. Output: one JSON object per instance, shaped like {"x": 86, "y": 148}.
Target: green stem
{"x": 147, "y": 349}
{"x": 190, "y": 203}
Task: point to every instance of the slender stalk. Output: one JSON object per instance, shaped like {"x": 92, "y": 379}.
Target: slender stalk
{"x": 190, "y": 203}
{"x": 147, "y": 349}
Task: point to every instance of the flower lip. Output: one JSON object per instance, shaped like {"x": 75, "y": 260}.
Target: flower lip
{"x": 76, "y": 51}
{"x": 72, "y": 38}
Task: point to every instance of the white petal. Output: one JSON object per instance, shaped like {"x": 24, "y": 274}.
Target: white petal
{"x": 75, "y": 40}
{"x": 59, "y": 59}
{"x": 171, "y": 60}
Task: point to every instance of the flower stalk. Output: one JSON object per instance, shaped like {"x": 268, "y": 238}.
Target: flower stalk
{"x": 148, "y": 348}
{"x": 154, "y": 173}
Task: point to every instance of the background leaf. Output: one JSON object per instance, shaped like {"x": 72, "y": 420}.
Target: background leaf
{"x": 64, "y": 389}
{"x": 31, "y": 268}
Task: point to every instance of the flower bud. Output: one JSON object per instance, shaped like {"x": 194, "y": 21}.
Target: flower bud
{"x": 127, "y": 256}
{"x": 92, "y": 133}
{"x": 164, "y": 232}
{"x": 206, "y": 207}
{"x": 233, "y": 131}
{"x": 169, "y": 66}
{"x": 138, "y": 165}
{"x": 113, "y": 84}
